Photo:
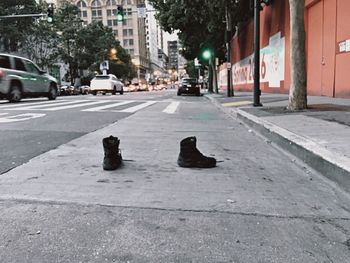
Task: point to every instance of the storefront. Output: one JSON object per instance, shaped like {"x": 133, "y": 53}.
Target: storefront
{"x": 327, "y": 48}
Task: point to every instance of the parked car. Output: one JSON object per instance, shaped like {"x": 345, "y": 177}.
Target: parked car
{"x": 84, "y": 89}
{"x": 20, "y": 77}
{"x": 66, "y": 90}
{"x": 106, "y": 84}
{"x": 189, "y": 86}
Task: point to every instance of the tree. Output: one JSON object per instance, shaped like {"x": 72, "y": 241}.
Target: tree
{"x": 86, "y": 46}
{"x": 297, "y": 91}
{"x": 40, "y": 44}
{"x": 12, "y": 30}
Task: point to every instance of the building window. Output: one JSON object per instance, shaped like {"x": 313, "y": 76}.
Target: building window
{"x": 96, "y": 13}
{"x": 130, "y": 32}
{"x": 115, "y": 32}
{"x": 131, "y": 52}
{"x": 111, "y": 3}
{"x": 128, "y": 12}
{"x": 131, "y": 42}
{"x": 125, "y": 32}
{"x": 115, "y": 22}
{"x": 96, "y": 10}
{"x": 81, "y": 4}
{"x": 110, "y": 22}
{"x": 125, "y": 42}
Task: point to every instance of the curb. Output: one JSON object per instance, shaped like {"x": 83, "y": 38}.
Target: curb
{"x": 330, "y": 164}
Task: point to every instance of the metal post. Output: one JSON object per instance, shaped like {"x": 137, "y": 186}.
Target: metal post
{"x": 228, "y": 40}
{"x": 257, "y": 91}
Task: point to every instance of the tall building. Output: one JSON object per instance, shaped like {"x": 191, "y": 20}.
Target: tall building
{"x": 131, "y": 32}
{"x": 173, "y": 54}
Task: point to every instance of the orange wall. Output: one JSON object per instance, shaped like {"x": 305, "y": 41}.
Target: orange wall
{"x": 326, "y": 25}
{"x": 342, "y": 61}
{"x": 273, "y": 19}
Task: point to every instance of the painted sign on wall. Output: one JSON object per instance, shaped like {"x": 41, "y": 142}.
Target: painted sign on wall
{"x": 272, "y": 60}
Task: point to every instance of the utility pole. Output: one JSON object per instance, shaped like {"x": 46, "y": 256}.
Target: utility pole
{"x": 230, "y": 91}
{"x": 257, "y": 91}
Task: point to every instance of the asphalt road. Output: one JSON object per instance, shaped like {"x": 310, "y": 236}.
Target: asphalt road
{"x": 43, "y": 129}
{"x": 258, "y": 205}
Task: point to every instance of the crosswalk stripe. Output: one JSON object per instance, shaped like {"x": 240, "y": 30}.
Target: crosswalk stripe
{"x": 77, "y": 105}
{"x": 139, "y": 107}
{"x": 172, "y": 107}
{"x": 100, "y": 108}
{"x": 23, "y": 104}
{"x": 46, "y": 106}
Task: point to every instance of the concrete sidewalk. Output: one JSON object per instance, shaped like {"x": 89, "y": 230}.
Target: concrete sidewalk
{"x": 319, "y": 136}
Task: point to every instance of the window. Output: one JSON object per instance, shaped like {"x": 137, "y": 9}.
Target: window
{"x": 131, "y": 42}
{"x": 111, "y": 2}
{"x": 125, "y": 32}
{"x": 115, "y": 32}
{"x": 96, "y": 8}
{"x": 128, "y": 12}
{"x": 130, "y": 32}
{"x": 96, "y": 3}
{"x": 4, "y": 62}
{"x": 125, "y": 42}
{"x": 131, "y": 52}
{"x": 83, "y": 14}
{"x": 109, "y": 12}
{"x": 81, "y": 4}
{"x": 19, "y": 64}
{"x": 115, "y": 22}
{"x": 31, "y": 67}
{"x": 110, "y": 22}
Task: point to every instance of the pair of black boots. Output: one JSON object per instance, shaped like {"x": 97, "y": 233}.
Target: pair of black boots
{"x": 189, "y": 157}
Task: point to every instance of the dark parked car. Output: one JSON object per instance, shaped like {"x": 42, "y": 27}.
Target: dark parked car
{"x": 189, "y": 86}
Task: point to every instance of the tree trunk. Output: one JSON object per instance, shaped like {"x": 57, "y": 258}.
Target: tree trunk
{"x": 297, "y": 91}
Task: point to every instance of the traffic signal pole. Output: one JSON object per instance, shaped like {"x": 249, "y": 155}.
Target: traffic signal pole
{"x": 257, "y": 90}
{"x": 229, "y": 62}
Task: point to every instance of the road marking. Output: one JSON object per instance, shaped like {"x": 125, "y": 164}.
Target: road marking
{"x": 22, "y": 104}
{"x": 172, "y": 107}
{"x": 237, "y": 103}
{"x": 4, "y": 113}
{"x": 101, "y": 108}
{"x": 77, "y": 105}
{"x": 43, "y": 106}
{"x": 139, "y": 107}
{"x": 21, "y": 117}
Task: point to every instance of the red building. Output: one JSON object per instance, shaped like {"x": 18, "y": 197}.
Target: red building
{"x": 327, "y": 46}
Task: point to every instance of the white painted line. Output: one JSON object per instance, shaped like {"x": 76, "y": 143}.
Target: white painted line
{"x": 77, "y": 105}
{"x": 4, "y": 113}
{"x": 43, "y": 107}
{"x": 21, "y": 117}
{"x": 139, "y": 107}
{"x": 100, "y": 108}
{"x": 172, "y": 107}
{"x": 22, "y": 104}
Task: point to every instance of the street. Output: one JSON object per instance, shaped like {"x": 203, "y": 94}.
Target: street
{"x": 57, "y": 204}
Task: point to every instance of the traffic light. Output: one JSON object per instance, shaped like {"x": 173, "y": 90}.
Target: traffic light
{"x": 120, "y": 13}
{"x": 207, "y": 54}
{"x": 50, "y": 11}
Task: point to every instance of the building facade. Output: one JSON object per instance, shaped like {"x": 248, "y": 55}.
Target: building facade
{"x": 327, "y": 49}
{"x": 131, "y": 32}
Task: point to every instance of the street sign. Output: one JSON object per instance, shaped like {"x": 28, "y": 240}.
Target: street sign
{"x": 141, "y": 12}
{"x": 104, "y": 65}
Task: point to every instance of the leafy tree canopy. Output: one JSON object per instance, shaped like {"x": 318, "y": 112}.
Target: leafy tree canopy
{"x": 12, "y": 29}
{"x": 201, "y": 23}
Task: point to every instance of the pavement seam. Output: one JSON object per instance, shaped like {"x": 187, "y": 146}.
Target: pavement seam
{"x": 296, "y": 217}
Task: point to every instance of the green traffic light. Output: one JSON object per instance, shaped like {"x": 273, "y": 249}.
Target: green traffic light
{"x": 206, "y": 54}
{"x": 49, "y": 19}
{"x": 120, "y": 17}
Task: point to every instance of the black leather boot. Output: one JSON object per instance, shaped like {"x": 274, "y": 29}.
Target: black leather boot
{"x": 190, "y": 156}
{"x": 113, "y": 157}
